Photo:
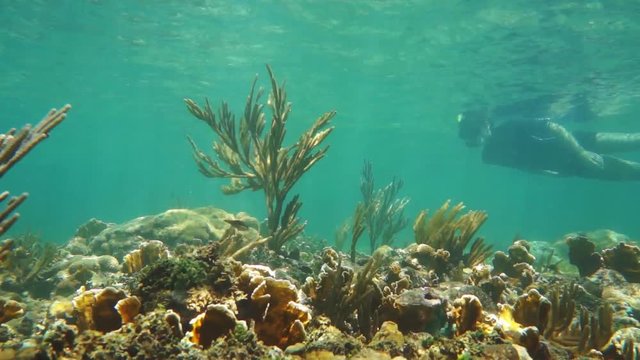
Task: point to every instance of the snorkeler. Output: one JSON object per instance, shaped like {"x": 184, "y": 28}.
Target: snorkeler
{"x": 543, "y": 146}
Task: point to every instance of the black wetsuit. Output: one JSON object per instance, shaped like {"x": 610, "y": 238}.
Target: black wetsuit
{"x": 542, "y": 146}
{"x": 530, "y": 145}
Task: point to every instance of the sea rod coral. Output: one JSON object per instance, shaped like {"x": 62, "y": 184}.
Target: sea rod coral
{"x": 14, "y": 145}
{"x": 254, "y": 159}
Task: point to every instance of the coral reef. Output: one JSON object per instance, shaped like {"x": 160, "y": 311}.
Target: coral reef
{"x": 199, "y": 284}
{"x": 228, "y": 297}
{"x": 258, "y": 160}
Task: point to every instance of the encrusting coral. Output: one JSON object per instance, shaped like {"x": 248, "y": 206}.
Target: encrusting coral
{"x": 331, "y": 288}
{"x": 253, "y": 159}
{"x": 623, "y": 257}
{"x": 174, "y": 227}
{"x": 493, "y": 285}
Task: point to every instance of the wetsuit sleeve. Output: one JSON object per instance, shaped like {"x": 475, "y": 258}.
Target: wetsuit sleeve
{"x": 536, "y": 146}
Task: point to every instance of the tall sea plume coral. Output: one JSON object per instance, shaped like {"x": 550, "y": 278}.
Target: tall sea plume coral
{"x": 252, "y": 158}
{"x": 383, "y": 210}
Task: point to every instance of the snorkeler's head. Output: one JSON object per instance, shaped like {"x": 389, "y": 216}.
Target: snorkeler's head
{"x": 474, "y": 127}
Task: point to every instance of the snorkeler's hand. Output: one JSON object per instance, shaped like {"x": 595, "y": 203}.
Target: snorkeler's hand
{"x": 593, "y": 159}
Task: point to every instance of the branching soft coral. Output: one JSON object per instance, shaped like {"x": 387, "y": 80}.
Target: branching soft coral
{"x": 14, "y": 145}
{"x": 383, "y": 210}
{"x": 445, "y": 230}
{"x": 254, "y": 159}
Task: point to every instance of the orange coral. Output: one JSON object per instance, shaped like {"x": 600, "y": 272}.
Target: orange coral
{"x": 104, "y": 309}
{"x": 532, "y": 309}
{"x": 217, "y": 321}
{"x": 128, "y": 308}
{"x": 274, "y": 306}
{"x": 9, "y": 310}
{"x": 466, "y": 313}
{"x": 5, "y": 249}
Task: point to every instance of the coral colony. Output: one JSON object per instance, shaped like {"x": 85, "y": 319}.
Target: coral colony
{"x": 207, "y": 284}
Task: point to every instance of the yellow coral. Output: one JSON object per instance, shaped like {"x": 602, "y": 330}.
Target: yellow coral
{"x": 61, "y": 308}
{"x": 148, "y": 253}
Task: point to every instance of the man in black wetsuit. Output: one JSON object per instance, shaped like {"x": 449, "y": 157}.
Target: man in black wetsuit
{"x": 543, "y": 146}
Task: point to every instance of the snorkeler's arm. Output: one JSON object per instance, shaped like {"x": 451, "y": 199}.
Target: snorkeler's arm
{"x": 573, "y": 147}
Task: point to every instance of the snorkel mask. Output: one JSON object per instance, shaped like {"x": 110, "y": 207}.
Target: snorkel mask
{"x": 474, "y": 127}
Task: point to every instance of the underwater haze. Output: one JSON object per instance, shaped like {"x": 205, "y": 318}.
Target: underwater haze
{"x": 398, "y": 73}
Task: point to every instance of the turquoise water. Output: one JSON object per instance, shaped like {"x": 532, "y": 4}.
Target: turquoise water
{"x": 397, "y": 72}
